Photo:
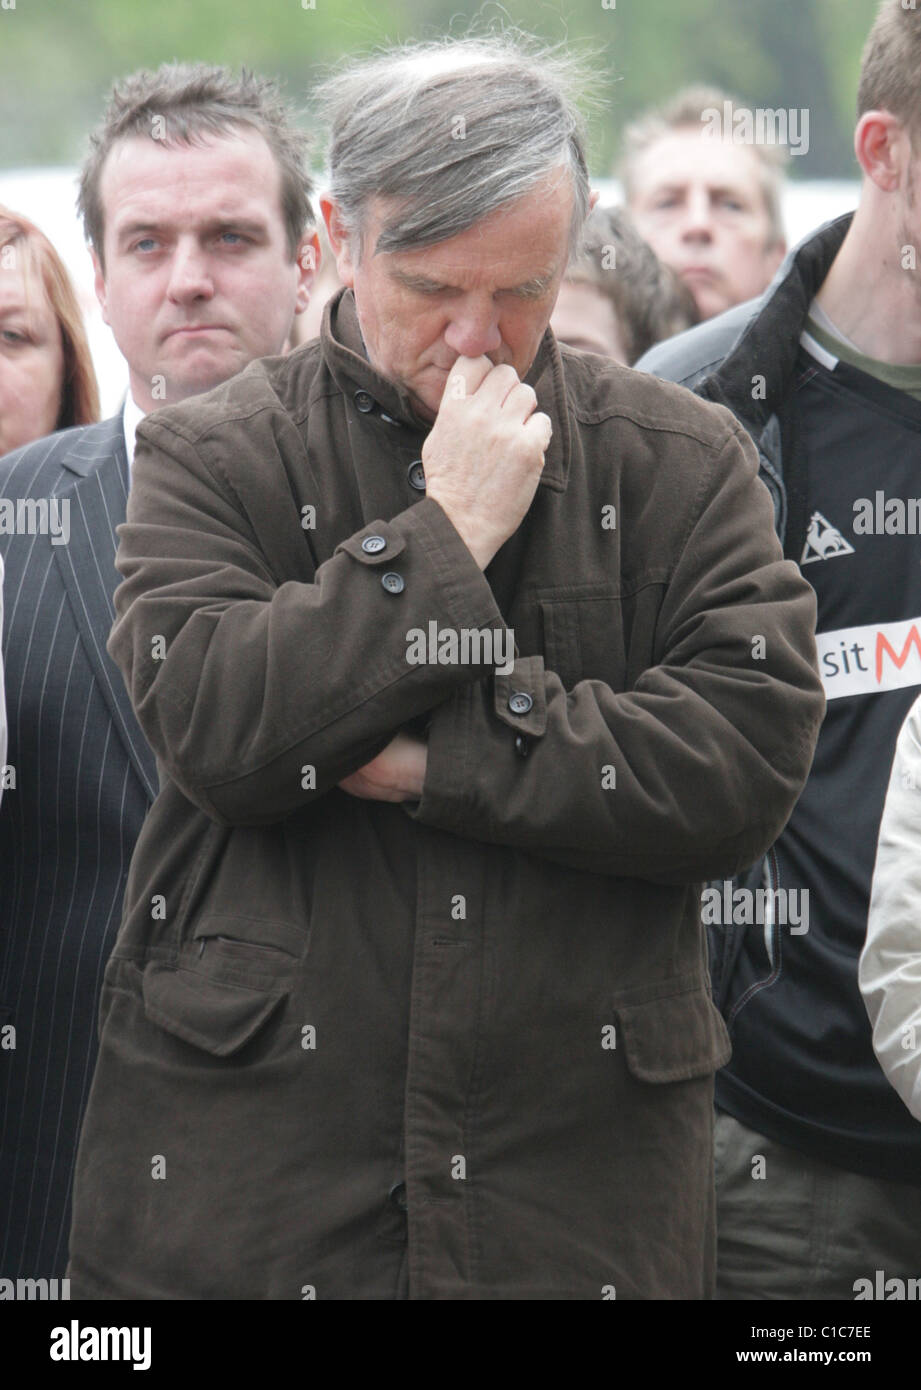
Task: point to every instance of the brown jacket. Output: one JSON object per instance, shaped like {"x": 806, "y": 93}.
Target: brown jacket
{"x": 497, "y": 996}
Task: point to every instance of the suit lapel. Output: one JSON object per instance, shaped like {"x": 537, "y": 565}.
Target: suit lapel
{"x": 87, "y": 565}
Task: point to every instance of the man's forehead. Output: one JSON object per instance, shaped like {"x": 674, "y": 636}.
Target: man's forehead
{"x": 692, "y": 155}
{"x": 494, "y": 241}
{"x": 217, "y": 176}
{"x": 18, "y": 288}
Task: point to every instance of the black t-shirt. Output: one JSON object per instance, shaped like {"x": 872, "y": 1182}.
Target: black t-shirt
{"x": 803, "y": 1069}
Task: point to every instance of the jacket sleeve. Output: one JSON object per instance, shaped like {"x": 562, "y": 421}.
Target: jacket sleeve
{"x": 693, "y": 772}
{"x": 250, "y": 689}
{"x": 890, "y": 963}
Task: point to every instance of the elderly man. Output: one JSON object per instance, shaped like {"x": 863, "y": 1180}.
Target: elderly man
{"x": 709, "y": 206}
{"x": 196, "y": 204}
{"x": 463, "y": 660}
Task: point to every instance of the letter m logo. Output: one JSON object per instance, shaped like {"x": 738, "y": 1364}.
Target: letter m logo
{"x": 882, "y": 645}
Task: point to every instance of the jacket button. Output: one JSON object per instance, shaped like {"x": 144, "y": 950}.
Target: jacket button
{"x": 520, "y": 702}
{"x": 397, "y": 1195}
{"x": 373, "y": 545}
{"x": 522, "y": 747}
{"x": 416, "y": 476}
{"x": 364, "y": 401}
{"x": 393, "y": 583}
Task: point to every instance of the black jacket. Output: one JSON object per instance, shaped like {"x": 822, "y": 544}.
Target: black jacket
{"x": 745, "y": 359}
{"x": 803, "y": 1070}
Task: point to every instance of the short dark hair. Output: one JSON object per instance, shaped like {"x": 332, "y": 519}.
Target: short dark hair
{"x": 194, "y": 101}
{"x": 890, "y": 67}
{"x": 651, "y": 302}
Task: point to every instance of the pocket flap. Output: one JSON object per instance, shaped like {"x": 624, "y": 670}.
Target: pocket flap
{"x": 674, "y": 1038}
{"x": 212, "y": 1014}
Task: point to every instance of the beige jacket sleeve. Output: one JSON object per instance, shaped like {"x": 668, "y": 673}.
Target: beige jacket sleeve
{"x": 890, "y": 963}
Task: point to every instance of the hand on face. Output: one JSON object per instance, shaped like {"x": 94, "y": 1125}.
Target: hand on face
{"x": 485, "y": 453}
{"x": 486, "y": 292}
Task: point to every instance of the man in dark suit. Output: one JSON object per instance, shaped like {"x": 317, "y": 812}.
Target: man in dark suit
{"x": 196, "y": 205}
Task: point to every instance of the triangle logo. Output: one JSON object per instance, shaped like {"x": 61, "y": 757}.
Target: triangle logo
{"x": 823, "y": 541}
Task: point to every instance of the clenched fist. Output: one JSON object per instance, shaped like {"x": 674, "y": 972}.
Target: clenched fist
{"x": 485, "y": 453}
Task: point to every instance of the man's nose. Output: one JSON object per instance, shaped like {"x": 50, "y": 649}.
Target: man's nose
{"x": 697, "y": 224}
{"x": 190, "y": 274}
{"x": 474, "y": 329}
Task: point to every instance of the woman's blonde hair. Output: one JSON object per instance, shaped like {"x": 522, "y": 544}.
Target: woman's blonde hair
{"x": 79, "y": 404}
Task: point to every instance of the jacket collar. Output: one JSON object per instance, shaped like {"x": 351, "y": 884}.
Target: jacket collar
{"x": 97, "y": 498}
{"x": 90, "y": 445}
{"x": 344, "y": 353}
{"x": 769, "y": 344}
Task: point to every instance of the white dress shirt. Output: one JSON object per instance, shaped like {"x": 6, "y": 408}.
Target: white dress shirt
{"x": 131, "y": 418}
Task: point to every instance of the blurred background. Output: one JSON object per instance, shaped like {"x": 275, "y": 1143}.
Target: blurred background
{"x": 58, "y": 59}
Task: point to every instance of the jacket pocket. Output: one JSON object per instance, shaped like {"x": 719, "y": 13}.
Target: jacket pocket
{"x": 672, "y": 1036}
{"x": 229, "y": 980}
{"x": 583, "y": 634}
{"x": 218, "y": 1017}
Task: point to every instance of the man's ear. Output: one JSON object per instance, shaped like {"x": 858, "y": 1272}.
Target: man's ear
{"x": 882, "y": 147}
{"x": 593, "y": 199}
{"x": 99, "y": 284}
{"x": 308, "y": 262}
{"x": 338, "y": 239}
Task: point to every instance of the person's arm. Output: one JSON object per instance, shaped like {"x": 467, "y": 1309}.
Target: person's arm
{"x": 250, "y": 689}
{"x": 260, "y": 694}
{"x": 691, "y": 774}
{"x": 890, "y": 963}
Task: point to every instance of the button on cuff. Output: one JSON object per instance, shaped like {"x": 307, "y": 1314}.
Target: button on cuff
{"x": 520, "y": 702}
{"x": 520, "y": 698}
{"x": 375, "y": 544}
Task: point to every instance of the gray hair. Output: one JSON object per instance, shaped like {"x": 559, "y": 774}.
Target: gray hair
{"x": 451, "y": 131}
{"x": 686, "y": 111}
{"x": 195, "y": 101}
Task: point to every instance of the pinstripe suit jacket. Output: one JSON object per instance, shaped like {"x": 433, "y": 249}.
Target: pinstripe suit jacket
{"x": 85, "y": 778}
